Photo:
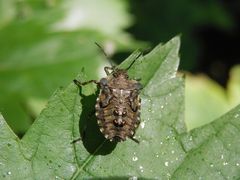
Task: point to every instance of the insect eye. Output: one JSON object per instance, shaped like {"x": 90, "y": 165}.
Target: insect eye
{"x": 104, "y": 81}
{"x": 124, "y": 113}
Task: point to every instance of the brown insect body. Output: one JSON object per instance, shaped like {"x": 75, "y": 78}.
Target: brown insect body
{"x": 118, "y": 106}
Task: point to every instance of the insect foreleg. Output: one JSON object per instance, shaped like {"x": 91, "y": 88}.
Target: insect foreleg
{"x": 78, "y": 83}
{"x": 107, "y": 69}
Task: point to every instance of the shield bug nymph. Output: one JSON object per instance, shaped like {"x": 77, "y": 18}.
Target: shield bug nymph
{"x": 118, "y": 104}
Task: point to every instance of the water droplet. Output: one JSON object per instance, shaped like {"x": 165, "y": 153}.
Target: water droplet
{"x": 225, "y": 163}
{"x": 142, "y": 124}
{"x": 176, "y": 158}
{"x": 172, "y": 151}
{"x": 236, "y": 115}
{"x": 166, "y": 163}
{"x": 162, "y": 107}
{"x": 141, "y": 168}
{"x": 190, "y": 138}
{"x": 9, "y": 173}
{"x": 211, "y": 165}
{"x": 133, "y": 178}
{"x": 237, "y": 164}
{"x": 222, "y": 156}
{"x": 56, "y": 177}
{"x": 168, "y": 175}
{"x": 161, "y": 142}
{"x": 134, "y": 158}
{"x": 157, "y": 155}
{"x": 168, "y": 137}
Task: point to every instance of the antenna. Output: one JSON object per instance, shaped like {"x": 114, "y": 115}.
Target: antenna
{"x": 105, "y": 54}
{"x": 134, "y": 61}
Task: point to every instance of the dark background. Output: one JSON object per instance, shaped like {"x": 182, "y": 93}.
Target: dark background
{"x": 210, "y": 32}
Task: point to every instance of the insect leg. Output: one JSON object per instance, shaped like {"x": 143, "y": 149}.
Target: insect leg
{"x": 134, "y": 101}
{"x": 108, "y": 96}
{"x": 137, "y": 79}
{"x": 135, "y": 140}
{"x": 78, "y": 83}
{"x": 106, "y": 69}
{"x": 76, "y": 140}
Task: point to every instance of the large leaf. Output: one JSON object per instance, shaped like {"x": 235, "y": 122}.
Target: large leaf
{"x": 165, "y": 151}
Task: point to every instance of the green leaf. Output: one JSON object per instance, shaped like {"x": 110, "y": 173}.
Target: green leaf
{"x": 166, "y": 150}
{"x": 202, "y": 93}
{"x": 213, "y": 151}
{"x": 234, "y": 86}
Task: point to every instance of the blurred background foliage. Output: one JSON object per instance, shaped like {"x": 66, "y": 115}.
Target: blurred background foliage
{"x": 44, "y": 44}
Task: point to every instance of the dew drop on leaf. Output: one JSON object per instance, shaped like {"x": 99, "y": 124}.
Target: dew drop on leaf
{"x": 142, "y": 124}
{"x": 222, "y": 156}
{"x": 166, "y": 163}
{"x": 225, "y": 163}
{"x": 134, "y": 158}
{"x": 236, "y": 115}
{"x": 133, "y": 178}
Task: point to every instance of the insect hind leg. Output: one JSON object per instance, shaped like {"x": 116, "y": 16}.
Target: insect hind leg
{"x": 134, "y": 139}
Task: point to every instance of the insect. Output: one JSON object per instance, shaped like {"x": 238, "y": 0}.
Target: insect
{"x": 118, "y": 104}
